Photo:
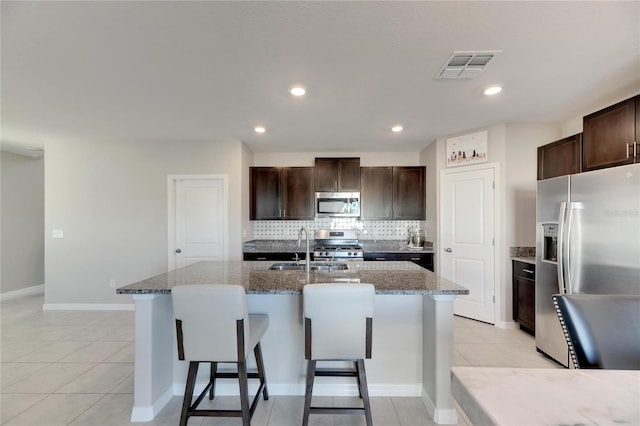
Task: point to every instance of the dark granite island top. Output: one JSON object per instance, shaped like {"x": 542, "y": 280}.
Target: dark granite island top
{"x": 388, "y": 278}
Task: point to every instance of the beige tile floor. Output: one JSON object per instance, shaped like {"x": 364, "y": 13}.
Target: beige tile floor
{"x": 76, "y": 368}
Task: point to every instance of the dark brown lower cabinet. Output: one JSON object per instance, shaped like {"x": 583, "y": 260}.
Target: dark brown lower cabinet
{"x": 281, "y": 256}
{"x": 423, "y": 259}
{"x": 524, "y": 295}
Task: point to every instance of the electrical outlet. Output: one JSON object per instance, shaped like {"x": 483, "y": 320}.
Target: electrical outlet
{"x": 57, "y": 233}
{"x": 112, "y": 283}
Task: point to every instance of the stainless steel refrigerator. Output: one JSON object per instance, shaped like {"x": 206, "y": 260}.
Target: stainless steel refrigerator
{"x": 587, "y": 241}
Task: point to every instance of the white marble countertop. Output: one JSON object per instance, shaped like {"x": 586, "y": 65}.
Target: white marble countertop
{"x": 527, "y": 396}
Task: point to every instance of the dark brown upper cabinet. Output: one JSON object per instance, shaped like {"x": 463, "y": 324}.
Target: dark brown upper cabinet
{"x": 560, "y": 158}
{"x": 265, "y": 202}
{"x": 610, "y": 136}
{"x": 409, "y": 197}
{"x": 376, "y": 193}
{"x": 281, "y": 193}
{"x": 337, "y": 174}
{"x": 393, "y": 193}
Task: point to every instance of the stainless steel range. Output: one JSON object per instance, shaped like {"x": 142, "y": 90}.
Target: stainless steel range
{"x": 337, "y": 244}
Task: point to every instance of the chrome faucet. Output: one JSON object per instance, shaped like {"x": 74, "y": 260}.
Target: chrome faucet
{"x": 307, "y": 267}
{"x": 333, "y": 256}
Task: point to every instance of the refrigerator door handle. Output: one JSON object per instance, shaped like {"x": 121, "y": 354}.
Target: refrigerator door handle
{"x": 561, "y": 228}
{"x": 567, "y": 252}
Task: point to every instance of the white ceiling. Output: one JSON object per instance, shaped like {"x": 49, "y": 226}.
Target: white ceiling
{"x": 212, "y": 71}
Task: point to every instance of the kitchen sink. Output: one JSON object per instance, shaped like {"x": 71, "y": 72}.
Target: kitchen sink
{"x": 329, "y": 266}
{"x": 287, "y": 267}
{"x": 314, "y": 266}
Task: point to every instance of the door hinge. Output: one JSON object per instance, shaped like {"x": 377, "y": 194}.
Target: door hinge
{"x": 494, "y": 298}
{"x": 493, "y": 184}
{"x": 493, "y": 242}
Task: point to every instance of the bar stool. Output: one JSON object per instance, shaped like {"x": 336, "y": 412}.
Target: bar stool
{"x": 213, "y": 325}
{"x": 602, "y": 330}
{"x": 338, "y": 326}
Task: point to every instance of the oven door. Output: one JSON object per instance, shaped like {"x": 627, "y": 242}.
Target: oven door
{"x": 337, "y": 204}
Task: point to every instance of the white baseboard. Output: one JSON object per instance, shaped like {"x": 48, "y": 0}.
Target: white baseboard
{"x": 36, "y": 289}
{"x": 447, "y": 416}
{"x": 507, "y": 325}
{"x": 146, "y": 413}
{"x": 88, "y": 307}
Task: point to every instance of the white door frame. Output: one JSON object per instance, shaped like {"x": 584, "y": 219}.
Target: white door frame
{"x": 497, "y": 255}
{"x": 171, "y": 210}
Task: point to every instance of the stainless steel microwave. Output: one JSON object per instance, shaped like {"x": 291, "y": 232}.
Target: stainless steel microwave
{"x": 337, "y": 204}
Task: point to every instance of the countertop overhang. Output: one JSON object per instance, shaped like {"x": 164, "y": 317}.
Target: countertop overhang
{"x": 256, "y": 277}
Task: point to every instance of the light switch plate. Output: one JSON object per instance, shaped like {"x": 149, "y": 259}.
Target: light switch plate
{"x": 57, "y": 233}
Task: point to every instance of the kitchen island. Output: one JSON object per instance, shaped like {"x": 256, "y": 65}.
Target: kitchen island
{"x": 412, "y": 340}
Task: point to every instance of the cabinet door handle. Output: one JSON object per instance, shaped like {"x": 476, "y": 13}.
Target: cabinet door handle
{"x": 261, "y": 258}
{"x": 528, "y": 271}
{"x": 635, "y": 149}
{"x": 381, "y": 258}
{"x": 415, "y": 258}
{"x": 631, "y": 146}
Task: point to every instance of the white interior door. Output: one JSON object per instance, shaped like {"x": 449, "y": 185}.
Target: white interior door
{"x": 200, "y": 216}
{"x": 467, "y": 243}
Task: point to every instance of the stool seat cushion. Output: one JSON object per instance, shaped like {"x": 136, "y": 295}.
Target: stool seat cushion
{"x": 209, "y": 315}
{"x": 338, "y": 314}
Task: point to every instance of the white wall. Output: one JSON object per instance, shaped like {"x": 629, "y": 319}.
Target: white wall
{"x": 22, "y": 236}
{"x": 514, "y": 148}
{"x": 247, "y": 161}
{"x": 429, "y": 158}
{"x": 110, "y": 199}
{"x": 521, "y": 172}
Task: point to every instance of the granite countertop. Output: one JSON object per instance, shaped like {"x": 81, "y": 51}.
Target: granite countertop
{"x": 291, "y": 246}
{"x": 525, "y": 259}
{"x": 537, "y": 396}
{"x": 388, "y": 278}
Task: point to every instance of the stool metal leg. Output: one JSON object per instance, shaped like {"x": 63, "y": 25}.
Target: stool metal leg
{"x": 355, "y": 364}
{"x": 188, "y": 392}
{"x": 362, "y": 381}
{"x": 212, "y": 379}
{"x": 311, "y": 373}
{"x": 257, "y": 351}
{"x": 244, "y": 393}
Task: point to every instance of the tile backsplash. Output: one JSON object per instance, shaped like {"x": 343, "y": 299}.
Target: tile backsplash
{"x": 369, "y": 230}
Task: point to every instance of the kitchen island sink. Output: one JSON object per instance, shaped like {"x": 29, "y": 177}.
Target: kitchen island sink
{"x": 314, "y": 266}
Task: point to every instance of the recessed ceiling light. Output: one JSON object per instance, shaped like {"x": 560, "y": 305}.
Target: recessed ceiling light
{"x": 260, "y": 129}
{"x": 396, "y": 129}
{"x": 297, "y": 91}
{"x": 493, "y": 90}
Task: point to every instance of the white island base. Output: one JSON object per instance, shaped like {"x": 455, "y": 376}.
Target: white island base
{"x": 411, "y": 356}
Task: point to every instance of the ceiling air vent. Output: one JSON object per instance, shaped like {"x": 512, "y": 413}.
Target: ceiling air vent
{"x": 465, "y": 65}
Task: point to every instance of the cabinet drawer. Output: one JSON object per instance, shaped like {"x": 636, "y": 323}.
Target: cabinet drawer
{"x": 423, "y": 259}
{"x": 272, "y": 256}
{"x": 380, "y": 256}
{"x": 523, "y": 269}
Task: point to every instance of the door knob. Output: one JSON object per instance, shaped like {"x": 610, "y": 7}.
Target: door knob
{"x": 448, "y": 250}
{"x": 178, "y": 251}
